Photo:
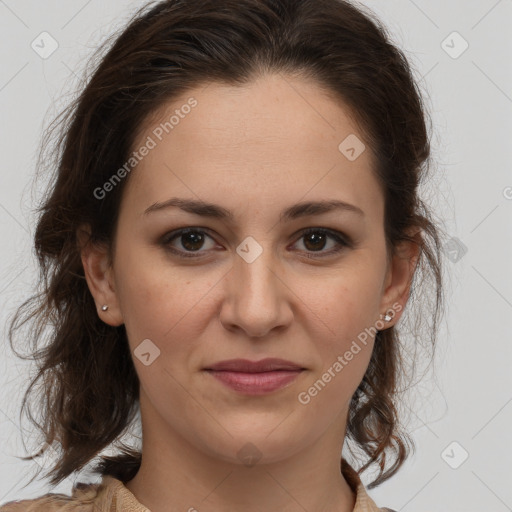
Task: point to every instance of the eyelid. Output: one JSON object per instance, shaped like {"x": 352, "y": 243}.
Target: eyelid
{"x": 344, "y": 241}
{"x": 333, "y": 233}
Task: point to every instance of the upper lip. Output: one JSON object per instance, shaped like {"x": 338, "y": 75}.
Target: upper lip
{"x": 246, "y": 366}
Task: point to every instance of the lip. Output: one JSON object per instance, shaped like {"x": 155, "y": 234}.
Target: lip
{"x": 246, "y": 366}
{"x": 255, "y": 377}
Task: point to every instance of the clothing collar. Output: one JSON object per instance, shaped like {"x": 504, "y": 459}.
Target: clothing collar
{"x": 114, "y": 496}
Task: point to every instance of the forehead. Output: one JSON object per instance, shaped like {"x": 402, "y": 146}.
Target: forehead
{"x": 277, "y": 137}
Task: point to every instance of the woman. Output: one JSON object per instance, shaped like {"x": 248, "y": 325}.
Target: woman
{"x": 231, "y": 239}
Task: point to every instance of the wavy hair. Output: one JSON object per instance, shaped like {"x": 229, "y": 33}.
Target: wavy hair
{"x": 89, "y": 390}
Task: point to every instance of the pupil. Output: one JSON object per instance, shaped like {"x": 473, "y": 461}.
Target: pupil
{"x": 196, "y": 238}
{"x": 318, "y": 240}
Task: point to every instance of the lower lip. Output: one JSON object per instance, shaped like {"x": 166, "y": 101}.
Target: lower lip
{"x": 256, "y": 383}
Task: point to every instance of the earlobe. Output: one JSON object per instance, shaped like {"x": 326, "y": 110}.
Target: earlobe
{"x": 99, "y": 276}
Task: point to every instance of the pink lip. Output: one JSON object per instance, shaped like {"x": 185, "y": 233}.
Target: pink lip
{"x": 255, "y": 377}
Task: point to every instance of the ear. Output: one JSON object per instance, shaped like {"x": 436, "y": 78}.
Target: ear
{"x": 99, "y": 276}
{"x": 399, "y": 276}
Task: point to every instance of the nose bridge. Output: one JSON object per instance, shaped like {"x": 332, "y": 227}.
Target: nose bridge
{"x": 254, "y": 300}
{"x": 254, "y": 269}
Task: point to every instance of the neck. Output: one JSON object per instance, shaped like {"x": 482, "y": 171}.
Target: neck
{"x": 175, "y": 475}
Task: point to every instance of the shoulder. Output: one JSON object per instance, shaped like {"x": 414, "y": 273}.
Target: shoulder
{"x": 363, "y": 501}
{"x": 84, "y": 498}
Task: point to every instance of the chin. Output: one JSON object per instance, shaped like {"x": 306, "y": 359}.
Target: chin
{"x": 261, "y": 444}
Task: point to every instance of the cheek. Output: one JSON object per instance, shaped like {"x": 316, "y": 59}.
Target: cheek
{"x": 348, "y": 309}
{"x": 347, "y": 303}
{"x": 161, "y": 302}
{"x": 145, "y": 292}
{"x": 344, "y": 342}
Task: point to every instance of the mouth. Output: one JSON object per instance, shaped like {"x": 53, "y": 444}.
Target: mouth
{"x": 255, "y": 377}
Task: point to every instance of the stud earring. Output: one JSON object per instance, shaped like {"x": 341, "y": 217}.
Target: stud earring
{"x": 387, "y": 318}
{"x": 104, "y": 307}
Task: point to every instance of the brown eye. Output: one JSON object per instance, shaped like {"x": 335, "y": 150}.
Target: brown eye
{"x": 316, "y": 239}
{"x": 185, "y": 242}
{"x": 192, "y": 241}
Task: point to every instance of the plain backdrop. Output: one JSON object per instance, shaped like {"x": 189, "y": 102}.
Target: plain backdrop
{"x": 461, "y": 52}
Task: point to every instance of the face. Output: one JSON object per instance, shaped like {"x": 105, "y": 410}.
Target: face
{"x": 254, "y": 278}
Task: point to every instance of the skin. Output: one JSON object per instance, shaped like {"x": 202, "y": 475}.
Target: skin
{"x": 254, "y": 150}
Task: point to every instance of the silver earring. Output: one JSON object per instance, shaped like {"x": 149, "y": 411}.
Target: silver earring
{"x": 104, "y": 307}
{"x": 387, "y": 318}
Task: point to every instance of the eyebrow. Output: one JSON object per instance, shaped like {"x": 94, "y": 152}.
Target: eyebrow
{"x": 215, "y": 211}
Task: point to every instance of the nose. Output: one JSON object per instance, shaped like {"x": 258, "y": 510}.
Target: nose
{"x": 256, "y": 297}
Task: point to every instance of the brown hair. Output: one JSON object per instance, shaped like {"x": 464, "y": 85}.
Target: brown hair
{"x": 90, "y": 390}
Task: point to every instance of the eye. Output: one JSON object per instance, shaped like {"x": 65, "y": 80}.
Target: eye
{"x": 315, "y": 239}
{"x": 190, "y": 241}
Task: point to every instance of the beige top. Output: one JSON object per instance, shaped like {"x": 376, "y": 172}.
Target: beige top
{"x": 111, "y": 495}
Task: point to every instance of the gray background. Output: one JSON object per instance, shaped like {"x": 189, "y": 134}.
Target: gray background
{"x": 467, "y": 399}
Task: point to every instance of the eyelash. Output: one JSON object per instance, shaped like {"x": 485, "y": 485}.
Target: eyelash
{"x": 342, "y": 240}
